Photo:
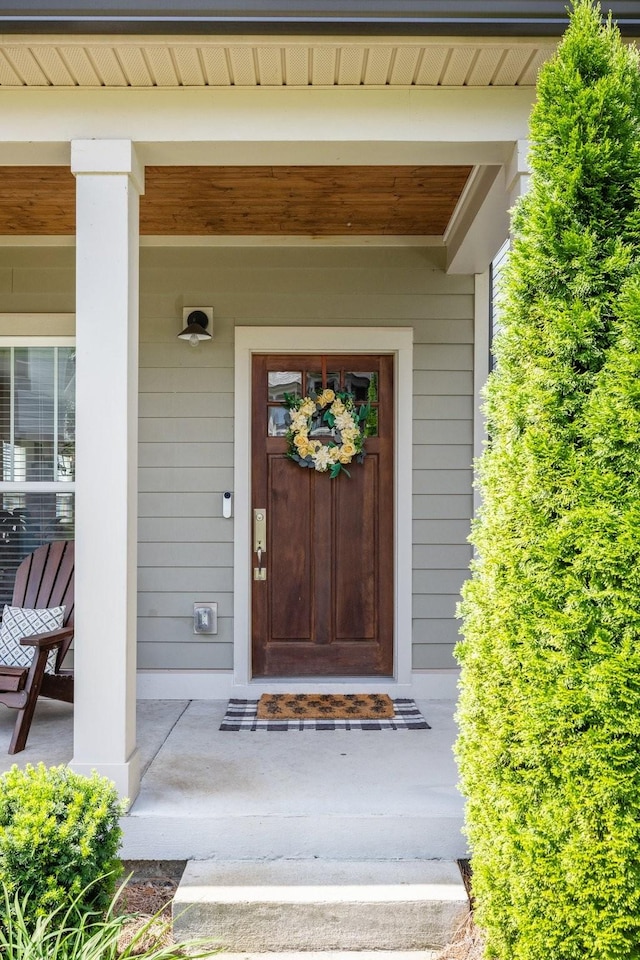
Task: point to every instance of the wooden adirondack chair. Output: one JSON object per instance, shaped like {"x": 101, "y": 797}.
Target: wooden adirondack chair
{"x": 43, "y": 579}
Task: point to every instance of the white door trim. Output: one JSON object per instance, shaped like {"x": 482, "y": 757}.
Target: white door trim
{"x": 395, "y": 340}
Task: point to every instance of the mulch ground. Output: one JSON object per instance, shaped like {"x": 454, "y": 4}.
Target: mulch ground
{"x": 149, "y": 887}
{"x": 467, "y": 943}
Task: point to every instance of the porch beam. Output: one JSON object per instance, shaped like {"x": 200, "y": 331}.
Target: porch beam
{"x": 475, "y": 241}
{"x": 277, "y": 126}
{"x": 481, "y": 236}
{"x": 109, "y": 181}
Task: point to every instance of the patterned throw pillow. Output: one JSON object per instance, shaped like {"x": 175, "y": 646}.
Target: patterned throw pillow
{"x": 17, "y": 623}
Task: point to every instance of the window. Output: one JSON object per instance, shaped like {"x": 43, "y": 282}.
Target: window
{"x": 37, "y": 431}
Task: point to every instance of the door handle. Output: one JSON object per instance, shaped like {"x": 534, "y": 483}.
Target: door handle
{"x": 259, "y": 542}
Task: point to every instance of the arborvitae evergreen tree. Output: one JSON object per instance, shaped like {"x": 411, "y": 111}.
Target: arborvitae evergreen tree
{"x": 549, "y": 744}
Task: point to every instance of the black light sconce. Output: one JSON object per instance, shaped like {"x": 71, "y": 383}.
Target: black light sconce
{"x": 197, "y": 321}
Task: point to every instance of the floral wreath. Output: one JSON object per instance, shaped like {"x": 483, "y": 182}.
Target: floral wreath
{"x": 340, "y": 414}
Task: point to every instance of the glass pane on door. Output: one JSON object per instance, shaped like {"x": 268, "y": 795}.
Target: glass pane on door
{"x": 364, "y": 386}
{"x": 283, "y": 382}
{"x": 314, "y": 382}
{"x": 278, "y": 422}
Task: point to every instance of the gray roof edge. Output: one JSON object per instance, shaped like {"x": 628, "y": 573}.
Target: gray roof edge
{"x": 409, "y": 26}
{"x": 523, "y": 18}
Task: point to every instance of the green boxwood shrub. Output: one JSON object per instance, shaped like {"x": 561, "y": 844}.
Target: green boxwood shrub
{"x": 549, "y": 743}
{"x": 59, "y": 837}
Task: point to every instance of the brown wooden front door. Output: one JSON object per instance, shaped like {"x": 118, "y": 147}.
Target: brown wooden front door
{"x": 326, "y": 605}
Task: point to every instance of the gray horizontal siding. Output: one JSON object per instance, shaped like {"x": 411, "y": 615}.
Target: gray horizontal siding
{"x": 187, "y": 380}
{"x": 175, "y": 604}
{"x": 440, "y": 408}
{"x": 287, "y": 274}
{"x": 179, "y": 504}
{"x": 446, "y": 315}
{"x": 162, "y": 356}
{"x": 184, "y": 529}
{"x": 166, "y": 479}
{"x": 180, "y": 630}
{"x": 435, "y": 656}
{"x": 183, "y": 555}
{"x": 169, "y": 405}
{"x": 435, "y": 606}
{"x": 443, "y": 432}
{"x": 442, "y": 481}
{"x": 440, "y": 531}
{"x": 36, "y": 302}
{"x": 186, "y": 430}
{"x": 442, "y": 478}
{"x": 199, "y": 583}
{"x": 442, "y": 357}
{"x": 164, "y": 455}
{"x": 438, "y": 582}
{"x": 56, "y": 280}
{"x": 442, "y": 506}
{"x": 453, "y": 324}
{"x": 434, "y": 456}
{"x": 435, "y": 631}
{"x": 441, "y": 557}
{"x": 185, "y": 656}
{"x": 442, "y": 383}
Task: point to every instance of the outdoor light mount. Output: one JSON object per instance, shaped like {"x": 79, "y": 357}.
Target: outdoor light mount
{"x": 196, "y": 320}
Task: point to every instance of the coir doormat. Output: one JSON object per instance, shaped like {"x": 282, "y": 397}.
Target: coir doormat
{"x": 324, "y": 706}
{"x": 243, "y": 715}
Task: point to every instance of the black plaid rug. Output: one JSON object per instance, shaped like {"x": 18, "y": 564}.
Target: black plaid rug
{"x": 241, "y": 715}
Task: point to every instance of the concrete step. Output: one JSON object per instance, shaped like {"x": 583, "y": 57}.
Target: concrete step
{"x": 356, "y": 795}
{"x": 335, "y": 955}
{"x": 264, "y": 906}
{"x": 434, "y": 835}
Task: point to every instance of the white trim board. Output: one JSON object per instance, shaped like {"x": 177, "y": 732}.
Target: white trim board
{"x": 243, "y": 240}
{"x": 394, "y": 340}
{"x": 293, "y": 240}
{"x": 219, "y": 685}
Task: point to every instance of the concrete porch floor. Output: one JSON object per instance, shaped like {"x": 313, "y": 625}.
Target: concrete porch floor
{"x": 209, "y": 794}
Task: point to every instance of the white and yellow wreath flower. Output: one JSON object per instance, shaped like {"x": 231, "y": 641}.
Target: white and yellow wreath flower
{"x": 340, "y": 413}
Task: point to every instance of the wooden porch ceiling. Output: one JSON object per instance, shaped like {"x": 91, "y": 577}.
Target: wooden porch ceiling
{"x": 241, "y": 201}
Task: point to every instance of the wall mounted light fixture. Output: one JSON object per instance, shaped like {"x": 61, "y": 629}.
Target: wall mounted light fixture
{"x": 196, "y": 320}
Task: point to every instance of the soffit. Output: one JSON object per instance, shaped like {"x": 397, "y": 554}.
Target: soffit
{"x": 251, "y": 201}
{"x": 168, "y": 62}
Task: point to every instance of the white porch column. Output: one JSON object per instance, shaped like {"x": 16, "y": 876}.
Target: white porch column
{"x": 517, "y": 172}
{"x": 109, "y": 181}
